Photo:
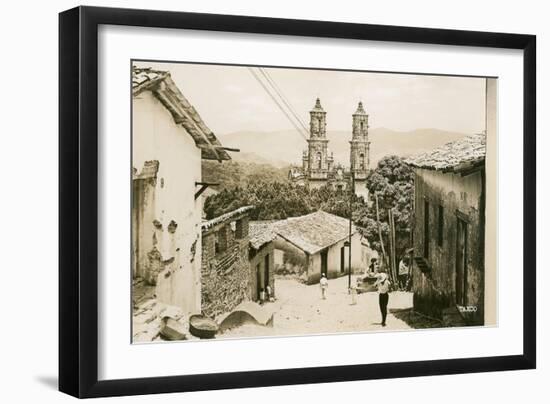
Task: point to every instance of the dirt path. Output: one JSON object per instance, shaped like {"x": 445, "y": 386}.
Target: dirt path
{"x": 300, "y": 310}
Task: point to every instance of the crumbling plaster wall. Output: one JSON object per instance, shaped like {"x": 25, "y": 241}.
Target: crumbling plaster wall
{"x": 454, "y": 192}
{"x": 175, "y": 234}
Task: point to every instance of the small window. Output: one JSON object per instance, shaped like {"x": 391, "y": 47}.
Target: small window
{"x": 220, "y": 243}
{"x": 440, "y": 222}
{"x": 361, "y": 161}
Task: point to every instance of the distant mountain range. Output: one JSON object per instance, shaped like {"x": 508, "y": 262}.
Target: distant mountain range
{"x": 282, "y": 148}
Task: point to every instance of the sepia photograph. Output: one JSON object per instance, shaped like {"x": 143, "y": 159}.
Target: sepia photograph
{"x": 285, "y": 201}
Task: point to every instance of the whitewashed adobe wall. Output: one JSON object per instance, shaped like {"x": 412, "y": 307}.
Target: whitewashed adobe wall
{"x": 157, "y": 137}
{"x": 362, "y": 190}
{"x": 356, "y": 255}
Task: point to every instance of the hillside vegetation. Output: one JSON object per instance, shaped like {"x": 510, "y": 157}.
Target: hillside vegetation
{"x": 238, "y": 174}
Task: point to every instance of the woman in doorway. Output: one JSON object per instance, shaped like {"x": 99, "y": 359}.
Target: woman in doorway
{"x": 383, "y": 285}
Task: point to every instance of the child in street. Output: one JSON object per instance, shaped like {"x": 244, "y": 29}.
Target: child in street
{"x": 353, "y": 292}
{"x": 324, "y": 285}
{"x": 269, "y": 296}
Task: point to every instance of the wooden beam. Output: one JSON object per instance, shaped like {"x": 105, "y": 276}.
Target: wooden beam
{"x": 203, "y": 186}
{"x": 231, "y": 149}
{"x": 471, "y": 170}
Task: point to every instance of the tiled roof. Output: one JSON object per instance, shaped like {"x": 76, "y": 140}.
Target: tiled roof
{"x": 207, "y": 225}
{"x": 145, "y": 78}
{"x": 261, "y": 232}
{"x": 314, "y": 232}
{"x": 459, "y": 155}
{"x": 163, "y": 87}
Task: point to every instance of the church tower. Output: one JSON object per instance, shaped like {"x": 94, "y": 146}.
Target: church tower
{"x": 360, "y": 150}
{"x": 319, "y": 163}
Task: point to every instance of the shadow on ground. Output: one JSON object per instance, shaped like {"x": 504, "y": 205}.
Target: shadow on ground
{"x": 48, "y": 381}
{"x": 415, "y": 320}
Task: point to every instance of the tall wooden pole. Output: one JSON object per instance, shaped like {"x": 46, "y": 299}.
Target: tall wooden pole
{"x": 393, "y": 257}
{"x": 379, "y": 228}
{"x": 390, "y": 247}
{"x": 411, "y": 240}
{"x": 350, "y": 226}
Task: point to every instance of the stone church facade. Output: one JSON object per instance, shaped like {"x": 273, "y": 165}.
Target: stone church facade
{"x": 318, "y": 168}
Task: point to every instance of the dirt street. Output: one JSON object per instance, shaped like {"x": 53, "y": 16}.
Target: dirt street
{"x": 300, "y": 310}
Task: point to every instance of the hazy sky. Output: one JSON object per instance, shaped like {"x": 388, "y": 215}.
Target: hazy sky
{"x": 229, "y": 98}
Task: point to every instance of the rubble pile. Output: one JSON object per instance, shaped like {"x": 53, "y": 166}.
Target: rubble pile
{"x": 156, "y": 321}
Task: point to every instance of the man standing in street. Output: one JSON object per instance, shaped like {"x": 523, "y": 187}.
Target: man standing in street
{"x": 383, "y": 285}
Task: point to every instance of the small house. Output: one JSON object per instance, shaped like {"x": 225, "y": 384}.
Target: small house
{"x": 317, "y": 243}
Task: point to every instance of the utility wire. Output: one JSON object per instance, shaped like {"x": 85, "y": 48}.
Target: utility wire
{"x": 277, "y": 103}
{"x": 283, "y": 98}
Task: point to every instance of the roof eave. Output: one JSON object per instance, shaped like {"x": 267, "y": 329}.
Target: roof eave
{"x": 167, "y": 92}
{"x": 319, "y": 249}
{"x": 149, "y": 84}
{"x": 213, "y": 224}
{"x": 462, "y": 168}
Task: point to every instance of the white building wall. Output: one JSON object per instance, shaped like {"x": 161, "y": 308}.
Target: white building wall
{"x": 157, "y": 137}
{"x": 334, "y": 257}
{"x": 362, "y": 190}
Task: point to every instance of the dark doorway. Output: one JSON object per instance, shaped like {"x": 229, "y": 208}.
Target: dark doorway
{"x": 258, "y": 281}
{"x": 266, "y": 271}
{"x": 461, "y": 262}
{"x": 426, "y": 229}
{"x": 324, "y": 262}
{"x": 342, "y": 259}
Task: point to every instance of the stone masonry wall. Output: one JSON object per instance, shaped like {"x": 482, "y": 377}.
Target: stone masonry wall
{"x": 435, "y": 291}
{"x": 225, "y": 276}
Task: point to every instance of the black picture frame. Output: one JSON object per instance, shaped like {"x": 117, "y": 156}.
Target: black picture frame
{"x": 78, "y": 200}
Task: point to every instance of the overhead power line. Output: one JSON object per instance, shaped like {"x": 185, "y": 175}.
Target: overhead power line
{"x": 283, "y": 98}
{"x": 298, "y": 129}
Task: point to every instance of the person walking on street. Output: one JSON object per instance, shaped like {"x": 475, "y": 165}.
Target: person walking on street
{"x": 324, "y": 285}
{"x": 383, "y": 285}
{"x": 353, "y": 292}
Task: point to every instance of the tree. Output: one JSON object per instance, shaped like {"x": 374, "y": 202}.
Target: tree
{"x": 392, "y": 181}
